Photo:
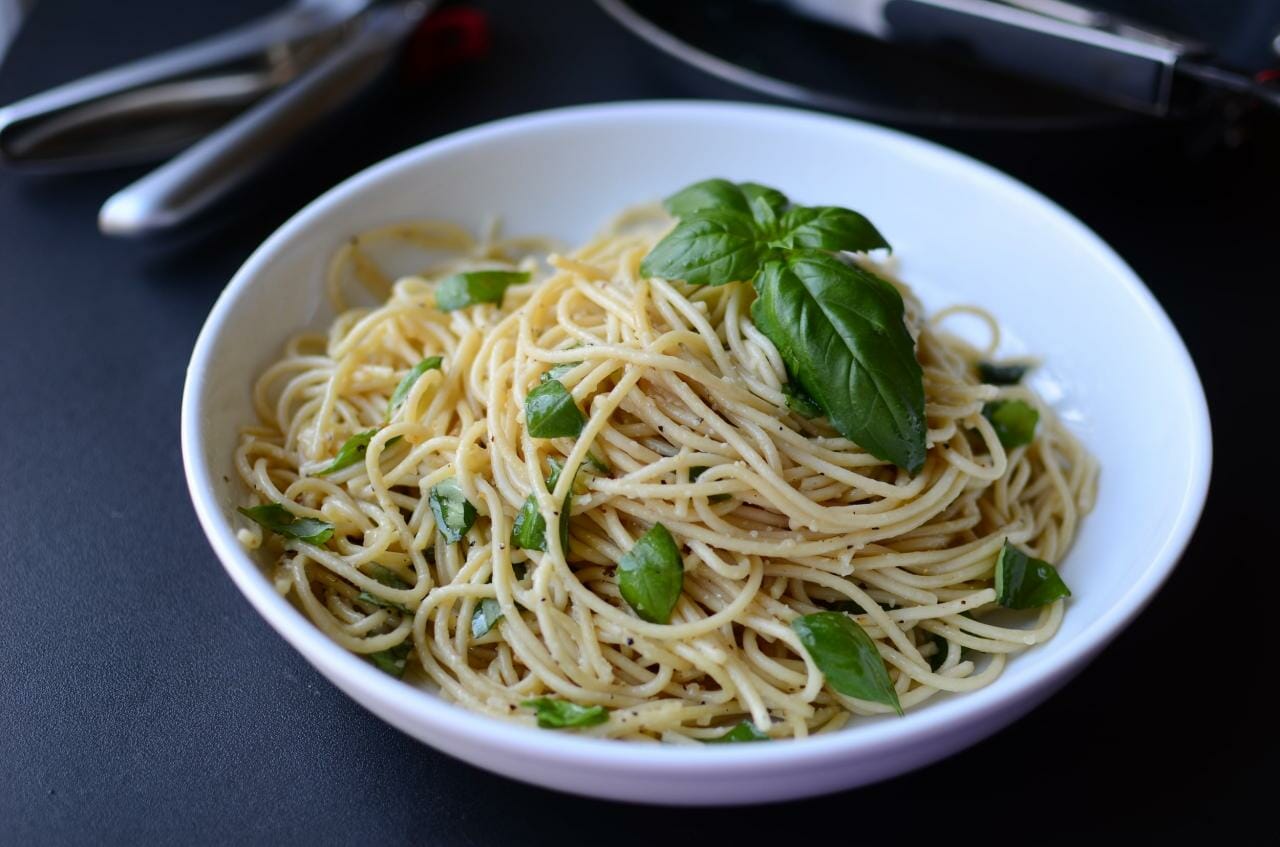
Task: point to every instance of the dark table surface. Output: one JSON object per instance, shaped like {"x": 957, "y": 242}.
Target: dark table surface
{"x": 144, "y": 701}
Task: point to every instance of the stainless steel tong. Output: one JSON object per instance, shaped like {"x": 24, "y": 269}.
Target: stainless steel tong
{"x": 281, "y": 73}
{"x": 1055, "y": 41}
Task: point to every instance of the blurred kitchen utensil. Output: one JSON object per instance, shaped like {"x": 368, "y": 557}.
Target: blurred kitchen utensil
{"x": 921, "y": 77}
{"x": 283, "y": 72}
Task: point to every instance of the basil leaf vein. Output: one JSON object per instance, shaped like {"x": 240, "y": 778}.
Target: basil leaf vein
{"x": 651, "y": 575}
{"x": 472, "y": 287}
{"x": 1024, "y": 582}
{"x": 281, "y": 521}
{"x": 847, "y": 657}
{"x": 453, "y": 512}
{"x": 558, "y": 714}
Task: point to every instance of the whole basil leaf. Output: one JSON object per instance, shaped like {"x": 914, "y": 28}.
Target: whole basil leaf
{"x": 406, "y": 383}
{"x": 847, "y": 657}
{"x": 745, "y": 731}
{"x": 487, "y": 613}
{"x": 549, "y": 411}
{"x": 281, "y": 521}
{"x": 394, "y": 659}
{"x": 711, "y": 247}
{"x": 829, "y": 228}
{"x": 841, "y": 333}
{"x": 472, "y": 287}
{"x": 651, "y": 575}
{"x": 351, "y": 451}
{"x": 1023, "y": 582}
{"x": 454, "y": 513}
{"x": 1013, "y": 420}
{"x": 1002, "y": 374}
{"x": 558, "y": 714}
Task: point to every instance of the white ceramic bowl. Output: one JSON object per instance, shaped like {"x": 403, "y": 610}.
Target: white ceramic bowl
{"x": 1116, "y": 370}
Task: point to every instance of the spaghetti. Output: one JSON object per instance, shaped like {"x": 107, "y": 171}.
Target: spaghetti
{"x": 686, "y": 425}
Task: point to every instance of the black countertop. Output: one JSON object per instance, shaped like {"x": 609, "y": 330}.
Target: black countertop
{"x": 144, "y": 701}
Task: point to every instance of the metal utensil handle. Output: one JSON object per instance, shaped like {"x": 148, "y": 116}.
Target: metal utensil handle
{"x": 70, "y": 124}
{"x": 205, "y": 172}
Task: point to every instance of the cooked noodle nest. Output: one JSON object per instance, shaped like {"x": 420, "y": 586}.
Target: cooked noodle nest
{"x": 785, "y": 517}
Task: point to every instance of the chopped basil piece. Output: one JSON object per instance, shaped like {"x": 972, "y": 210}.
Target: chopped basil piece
{"x": 745, "y": 731}
{"x": 597, "y": 463}
{"x": 351, "y": 451}
{"x": 1013, "y": 420}
{"x": 1007, "y": 374}
{"x": 387, "y": 577}
{"x": 848, "y": 606}
{"x": 651, "y": 575}
{"x": 281, "y": 521}
{"x": 1023, "y": 582}
{"x": 454, "y": 514}
{"x": 799, "y": 401}
{"x": 487, "y": 613}
{"x": 558, "y": 371}
{"x": 940, "y": 655}
{"x": 472, "y": 287}
{"x": 375, "y": 600}
{"x": 550, "y": 412}
{"x": 699, "y": 470}
{"x": 529, "y": 531}
{"x": 847, "y": 657}
{"x": 393, "y": 659}
{"x": 402, "y": 390}
{"x": 558, "y": 714}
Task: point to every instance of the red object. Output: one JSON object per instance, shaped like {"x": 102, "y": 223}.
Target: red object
{"x": 452, "y": 36}
{"x": 1269, "y": 75}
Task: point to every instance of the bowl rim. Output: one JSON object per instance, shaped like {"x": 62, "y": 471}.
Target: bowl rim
{"x": 420, "y": 707}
